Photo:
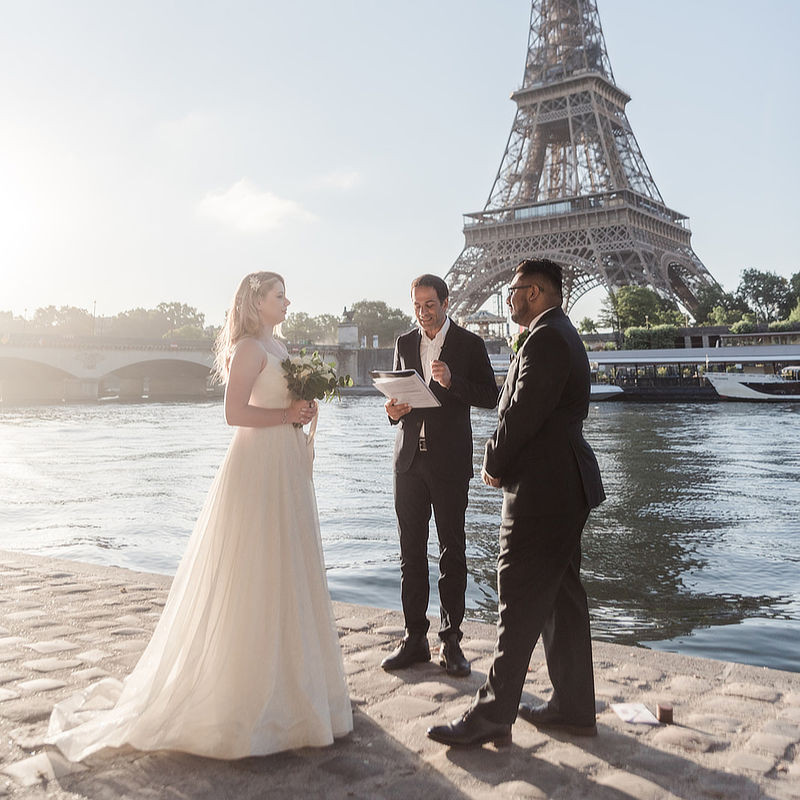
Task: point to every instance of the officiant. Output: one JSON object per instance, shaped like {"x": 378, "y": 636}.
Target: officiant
{"x": 432, "y": 470}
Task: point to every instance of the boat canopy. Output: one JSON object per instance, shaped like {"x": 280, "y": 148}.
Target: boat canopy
{"x": 747, "y": 354}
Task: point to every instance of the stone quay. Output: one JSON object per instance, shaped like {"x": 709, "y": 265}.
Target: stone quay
{"x": 735, "y": 731}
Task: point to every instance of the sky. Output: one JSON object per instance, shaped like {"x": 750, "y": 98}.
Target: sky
{"x": 158, "y": 150}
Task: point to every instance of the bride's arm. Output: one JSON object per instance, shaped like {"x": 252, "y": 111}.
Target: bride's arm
{"x": 247, "y": 362}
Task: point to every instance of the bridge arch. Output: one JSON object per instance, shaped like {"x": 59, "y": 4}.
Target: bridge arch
{"x": 56, "y": 370}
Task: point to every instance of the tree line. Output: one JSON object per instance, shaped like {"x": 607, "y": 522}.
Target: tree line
{"x": 166, "y": 320}
{"x": 760, "y": 298}
{"x": 371, "y": 317}
{"x": 181, "y": 321}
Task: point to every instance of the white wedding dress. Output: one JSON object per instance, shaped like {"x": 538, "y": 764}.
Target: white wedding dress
{"x": 245, "y": 659}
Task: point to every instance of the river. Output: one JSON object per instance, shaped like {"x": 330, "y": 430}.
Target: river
{"x": 696, "y": 550}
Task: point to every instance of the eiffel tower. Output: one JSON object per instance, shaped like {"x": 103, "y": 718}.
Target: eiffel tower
{"x": 573, "y": 184}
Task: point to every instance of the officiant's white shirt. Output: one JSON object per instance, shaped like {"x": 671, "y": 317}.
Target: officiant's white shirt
{"x": 430, "y": 350}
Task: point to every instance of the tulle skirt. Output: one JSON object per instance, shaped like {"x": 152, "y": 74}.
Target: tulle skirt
{"x": 245, "y": 659}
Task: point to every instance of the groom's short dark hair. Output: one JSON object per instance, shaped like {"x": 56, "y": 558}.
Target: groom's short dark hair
{"x": 433, "y": 282}
{"x": 549, "y": 270}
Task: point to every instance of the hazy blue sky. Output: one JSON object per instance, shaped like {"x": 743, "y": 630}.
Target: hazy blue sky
{"x": 157, "y": 151}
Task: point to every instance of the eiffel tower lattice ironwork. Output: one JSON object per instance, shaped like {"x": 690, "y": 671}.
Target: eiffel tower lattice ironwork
{"x": 573, "y": 184}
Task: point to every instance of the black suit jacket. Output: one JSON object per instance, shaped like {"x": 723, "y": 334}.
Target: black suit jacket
{"x": 448, "y": 433}
{"x": 538, "y": 452}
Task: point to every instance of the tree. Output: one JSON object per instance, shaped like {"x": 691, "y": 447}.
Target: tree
{"x": 794, "y": 302}
{"x": 718, "y": 307}
{"x": 45, "y": 317}
{"x": 185, "y": 332}
{"x": 587, "y": 325}
{"x": 140, "y": 323}
{"x": 721, "y": 316}
{"x": 179, "y": 315}
{"x": 637, "y": 306}
{"x": 375, "y": 317}
{"x": 608, "y": 318}
{"x": 794, "y": 314}
{"x": 652, "y": 338}
{"x": 301, "y": 328}
{"x": 64, "y": 320}
{"x": 769, "y": 295}
{"x": 669, "y": 314}
{"x": 175, "y": 320}
{"x": 794, "y": 283}
{"x": 744, "y": 325}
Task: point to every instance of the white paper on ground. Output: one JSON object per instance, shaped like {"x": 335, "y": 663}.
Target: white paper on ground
{"x": 636, "y": 713}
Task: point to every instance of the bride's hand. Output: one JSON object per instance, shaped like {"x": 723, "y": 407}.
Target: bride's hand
{"x": 302, "y": 411}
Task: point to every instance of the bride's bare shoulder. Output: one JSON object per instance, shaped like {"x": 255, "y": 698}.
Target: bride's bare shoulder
{"x": 250, "y": 350}
{"x": 248, "y": 344}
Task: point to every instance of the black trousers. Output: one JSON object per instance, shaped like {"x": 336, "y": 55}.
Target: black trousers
{"x": 540, "y": 593}
{"x": 417, "y": 491}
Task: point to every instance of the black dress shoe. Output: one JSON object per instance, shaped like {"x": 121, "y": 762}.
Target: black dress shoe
{"x": 471, "y": 729}
{"x": 546, "y": 717}
{"x": 414, "y": 649}
{"x": 452, "y": 658}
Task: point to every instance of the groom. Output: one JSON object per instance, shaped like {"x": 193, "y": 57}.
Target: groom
{"x": 550, "y": 481}
{"x": 432, "y": 469}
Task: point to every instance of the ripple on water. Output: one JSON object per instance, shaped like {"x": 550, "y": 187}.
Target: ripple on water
{"x": 696, "y": 548}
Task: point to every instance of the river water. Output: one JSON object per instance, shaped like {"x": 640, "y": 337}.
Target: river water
{"x": 696, "y": 550}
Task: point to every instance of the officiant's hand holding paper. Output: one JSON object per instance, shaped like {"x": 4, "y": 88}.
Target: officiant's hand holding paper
{"x": 396, "y": 410}
{"x": 405, "y": 387}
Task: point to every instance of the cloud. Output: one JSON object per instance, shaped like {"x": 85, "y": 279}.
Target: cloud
{"x": 341, "y": 179}
{"x": 249, "y": 209}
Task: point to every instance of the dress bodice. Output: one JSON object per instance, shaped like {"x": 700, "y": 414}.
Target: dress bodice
{"x": 270, "y": 389}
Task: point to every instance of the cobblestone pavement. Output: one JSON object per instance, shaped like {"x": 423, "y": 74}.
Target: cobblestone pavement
{"x": 65, "y": 624}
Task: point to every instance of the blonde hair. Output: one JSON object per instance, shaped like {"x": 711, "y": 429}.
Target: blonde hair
{"x": 241, "y": 319}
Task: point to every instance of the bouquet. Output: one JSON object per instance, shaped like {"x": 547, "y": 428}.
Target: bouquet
{"x": 311, "y": 378}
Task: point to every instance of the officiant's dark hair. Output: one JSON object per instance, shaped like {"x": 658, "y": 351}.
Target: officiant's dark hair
{"x": 432, "y": 282}
{"x": 547, "y": 269}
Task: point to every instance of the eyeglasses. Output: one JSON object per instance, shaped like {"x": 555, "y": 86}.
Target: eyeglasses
{"x": 512, "y": 289}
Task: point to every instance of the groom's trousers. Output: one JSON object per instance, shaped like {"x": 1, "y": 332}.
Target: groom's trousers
{"x": 540, "y": 593}
{"x": 416, "y": 491}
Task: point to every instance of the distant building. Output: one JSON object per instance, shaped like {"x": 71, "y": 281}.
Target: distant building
{"x": 486, "y": 324}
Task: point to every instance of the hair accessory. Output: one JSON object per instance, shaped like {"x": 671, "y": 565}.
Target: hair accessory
{"x": 255, "y": 283}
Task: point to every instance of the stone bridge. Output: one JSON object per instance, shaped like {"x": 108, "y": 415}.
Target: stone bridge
{"x": 50, "y": 368}
{"x": 64, "y": 369}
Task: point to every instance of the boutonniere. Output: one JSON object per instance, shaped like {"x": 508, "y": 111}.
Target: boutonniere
{"x": 516, "y": 341}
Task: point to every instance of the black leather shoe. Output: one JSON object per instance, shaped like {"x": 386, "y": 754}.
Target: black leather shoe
{"x": 546, "y": 717}
{"x": 452, "y": 658}
{"x": 471, "y": 729}
{"x": 414, "y": 649}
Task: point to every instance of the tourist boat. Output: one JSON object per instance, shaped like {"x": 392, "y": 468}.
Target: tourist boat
{"x": 605, "y": 391}
{"x": 599, "y": 391}
{"x": 752, "y": 386}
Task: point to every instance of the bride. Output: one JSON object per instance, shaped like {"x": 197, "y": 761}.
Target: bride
{"x": 245, "y": 658}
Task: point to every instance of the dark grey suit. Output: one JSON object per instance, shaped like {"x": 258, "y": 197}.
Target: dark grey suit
{"x": 439, "y": 477}
{"x": 550, "y": 480}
